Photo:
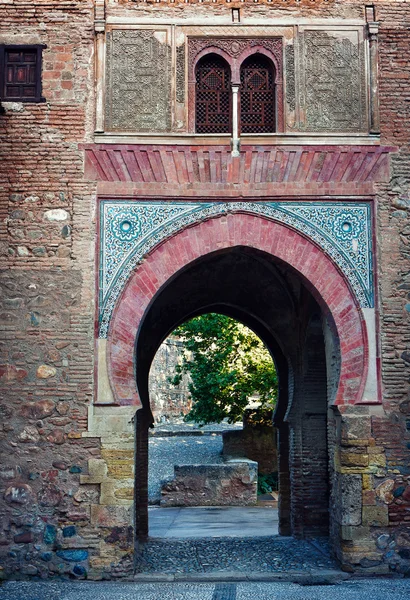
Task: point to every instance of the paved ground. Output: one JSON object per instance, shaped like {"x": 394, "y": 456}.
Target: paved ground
{"x": 353, "y": 589}
{"x": 222, "y": 556}
{"x": 211, "y": 522}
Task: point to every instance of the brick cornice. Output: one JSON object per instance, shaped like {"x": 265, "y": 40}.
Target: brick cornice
{"x": 295, "y": 170}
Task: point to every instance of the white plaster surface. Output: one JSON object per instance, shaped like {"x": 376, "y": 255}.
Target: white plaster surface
{"x": 371, "y": 391}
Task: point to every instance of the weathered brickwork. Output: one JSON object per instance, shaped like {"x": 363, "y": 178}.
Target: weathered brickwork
{"x": 67, "y": 473}
{"x": 47, "y": 286}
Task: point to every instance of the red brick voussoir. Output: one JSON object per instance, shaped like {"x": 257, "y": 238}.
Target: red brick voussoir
{"x": 317, "y": 270}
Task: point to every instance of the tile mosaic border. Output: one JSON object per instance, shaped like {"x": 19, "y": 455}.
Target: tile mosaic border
{"x": 129, "y": 230}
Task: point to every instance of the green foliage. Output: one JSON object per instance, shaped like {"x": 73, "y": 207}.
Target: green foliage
{"x": 227, "y": 364}
{"x": 267, "y": 483}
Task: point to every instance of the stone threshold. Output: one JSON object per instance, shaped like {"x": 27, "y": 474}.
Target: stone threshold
{"x": 314, "y": 577}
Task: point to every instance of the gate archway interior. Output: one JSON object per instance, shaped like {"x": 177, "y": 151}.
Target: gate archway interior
{"x": 271, "y": 298}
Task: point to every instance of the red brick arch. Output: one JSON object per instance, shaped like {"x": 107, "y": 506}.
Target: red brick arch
{"x": 238, "y": 229}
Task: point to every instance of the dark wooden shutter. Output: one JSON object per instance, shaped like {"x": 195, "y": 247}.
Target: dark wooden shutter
{"x": 257, "y": 96}
{"x": 213, "y": 96}
{"x": 21, "y": 73}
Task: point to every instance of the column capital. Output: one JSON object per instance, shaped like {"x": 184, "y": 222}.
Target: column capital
{"x": 373, "y": 27}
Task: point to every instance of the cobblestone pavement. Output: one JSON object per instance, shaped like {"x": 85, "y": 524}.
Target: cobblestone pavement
{"x": 165, "y": 452}
{"x": 226, "y": 555}
{"x": 353, "y": 589}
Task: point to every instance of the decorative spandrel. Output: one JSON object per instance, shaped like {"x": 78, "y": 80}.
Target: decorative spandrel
{"x": 129, "y": 230}
{"x": 138, "y": 80}
{"x": 332, "y": 85}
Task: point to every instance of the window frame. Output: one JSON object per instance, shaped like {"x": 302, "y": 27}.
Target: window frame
{"x": 235, "y": 51}
{"x": 272, "y": 90}
{"x": 38, "y": 48}
{"x": 228, "y": 72}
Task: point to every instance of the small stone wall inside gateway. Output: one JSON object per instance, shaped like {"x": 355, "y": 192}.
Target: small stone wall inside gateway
{"x": 232, "y": 484}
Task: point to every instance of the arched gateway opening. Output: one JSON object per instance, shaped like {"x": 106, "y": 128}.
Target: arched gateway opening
{"x": 281, "y": 285}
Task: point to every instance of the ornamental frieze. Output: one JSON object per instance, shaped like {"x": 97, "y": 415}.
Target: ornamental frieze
{"x": 131, "y": 229}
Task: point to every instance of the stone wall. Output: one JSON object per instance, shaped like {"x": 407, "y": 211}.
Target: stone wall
{"x": 47, "y": 301}
{"x": 168, "y": 401}
{"x": 234, "y": 483}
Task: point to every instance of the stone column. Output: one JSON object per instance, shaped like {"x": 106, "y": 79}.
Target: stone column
{"x": 235, "y": 143}
{"x": 99, "y": 77}
{"x": 373, "y": 28}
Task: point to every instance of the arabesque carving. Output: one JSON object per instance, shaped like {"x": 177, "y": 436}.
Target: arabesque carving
{"x": 334, "y": 85}
{"x": 138, "y": 82}
{"x": 234, "y": 47}
{"x": 180, "y": 74}
{"x": 290, "y": 77}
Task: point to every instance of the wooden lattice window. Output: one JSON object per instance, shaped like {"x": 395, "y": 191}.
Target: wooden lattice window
{"x": 257, "y": 95}
{"x": 20, "y": 73}
{"x": 213, "y": 95}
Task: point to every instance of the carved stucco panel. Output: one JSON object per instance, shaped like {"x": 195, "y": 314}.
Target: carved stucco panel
{"x": 332, "y": 81}
{"x": 290, "y": 80}
{"x": 138, "y": 80}
{"x": 180, "y": 74}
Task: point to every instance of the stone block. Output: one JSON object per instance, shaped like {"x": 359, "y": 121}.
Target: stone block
{"x": 369, "y": 497}
{"x": 97, "y": 471}
{"x": 377, "y": 460}
{"x": 126, "y": 493}
{"x": 354, "y": 533}
{"x": 120, "y": 463}
{"x": 99, "y": 564}
{"x": 348, "y": 490}
{"x": 375, "y": 450}
{"x": 353, "y": 459}
{"x": 110, "y": 516}
{"x": 356, "y": 427}
{"x": 115, "y": 492}
{"x": 367, "y": 482}
{"x": 375, "y": 516}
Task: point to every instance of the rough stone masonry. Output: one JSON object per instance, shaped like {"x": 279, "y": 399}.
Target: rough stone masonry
{"x": 117, "y": 122}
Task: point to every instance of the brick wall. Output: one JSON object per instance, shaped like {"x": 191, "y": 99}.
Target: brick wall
{"x": 47, "y": 298}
